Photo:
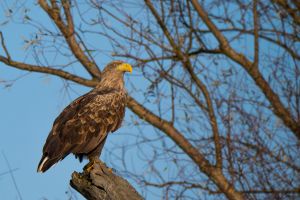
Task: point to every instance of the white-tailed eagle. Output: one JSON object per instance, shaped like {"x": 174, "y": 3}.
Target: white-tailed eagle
{"x": 83, "y": 126}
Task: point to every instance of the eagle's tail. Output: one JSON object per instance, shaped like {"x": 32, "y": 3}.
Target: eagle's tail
{"x": 46, "y": 163}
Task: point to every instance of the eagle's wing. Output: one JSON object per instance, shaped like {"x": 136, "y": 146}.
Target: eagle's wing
{"x": 83, "y": 125}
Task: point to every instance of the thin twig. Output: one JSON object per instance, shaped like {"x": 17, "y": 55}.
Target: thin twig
{"x": 4, "y": 46}
{"x": 7, "y": 172}
{"x": 256, "y": 28}
{"x": 12, "y": 175}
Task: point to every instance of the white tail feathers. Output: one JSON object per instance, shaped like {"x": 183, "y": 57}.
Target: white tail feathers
{"x": 42, "y": 164}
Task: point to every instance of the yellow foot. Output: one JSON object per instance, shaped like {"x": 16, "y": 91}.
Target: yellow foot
{"x": 110, "y": 170}
{"x": 88, "y": 168}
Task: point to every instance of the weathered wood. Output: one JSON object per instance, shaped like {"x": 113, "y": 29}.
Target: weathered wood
{"x": 101, "y": 183}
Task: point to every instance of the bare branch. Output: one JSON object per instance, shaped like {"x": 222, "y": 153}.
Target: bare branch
{"x": 4, "y": 46}
{"x": 68, "y": 33}
{"x": 12, "y": 175}
{"x": 275, "y": 191}
{"x": 294, "y": 13}
{"x": 47, "y": 70}
{"x": 254, "y": 72}
{"x": 175, "y": 57}
{"x": 214, "y": 173}
{"x": 66, "y": 6}
{"x": 188, "y": 66}
{"x": 256, "y": 36}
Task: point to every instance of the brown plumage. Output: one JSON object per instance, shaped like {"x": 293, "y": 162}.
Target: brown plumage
{"x": 82, "y": 127}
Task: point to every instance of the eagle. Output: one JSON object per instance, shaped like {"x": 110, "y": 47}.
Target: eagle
{"x": 82, "y": 127}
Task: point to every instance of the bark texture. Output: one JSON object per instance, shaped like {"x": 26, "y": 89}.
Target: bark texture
{"x": 102, "y": 183}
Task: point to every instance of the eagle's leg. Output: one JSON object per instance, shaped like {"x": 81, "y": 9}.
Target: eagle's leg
{"x": 94, "y": 158}
{"x": 95, "y": 162}
{"x": 92, "y": 161}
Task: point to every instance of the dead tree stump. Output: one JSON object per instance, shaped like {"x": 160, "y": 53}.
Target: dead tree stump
{"x": 100, "y": 183}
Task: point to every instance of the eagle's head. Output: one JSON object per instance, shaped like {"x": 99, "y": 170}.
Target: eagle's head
{"x": 112, "y": 75}
{"x": 117, "y": 67}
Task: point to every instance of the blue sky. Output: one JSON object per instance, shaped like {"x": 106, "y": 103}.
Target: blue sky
{"x": 27, "y": 111}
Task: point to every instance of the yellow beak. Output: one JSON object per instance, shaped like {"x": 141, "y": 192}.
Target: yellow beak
{"x": 125, "y": 67}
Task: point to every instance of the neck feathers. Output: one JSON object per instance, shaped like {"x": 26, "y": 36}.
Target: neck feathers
{"x": 113, "y": 81}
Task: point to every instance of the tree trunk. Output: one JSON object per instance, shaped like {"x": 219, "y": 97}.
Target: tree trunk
{"x": 101, "y": 183}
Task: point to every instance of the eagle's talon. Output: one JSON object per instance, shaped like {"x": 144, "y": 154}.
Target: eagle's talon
{"x": 111, "y": 170}
{"x": 88, "y": 168}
